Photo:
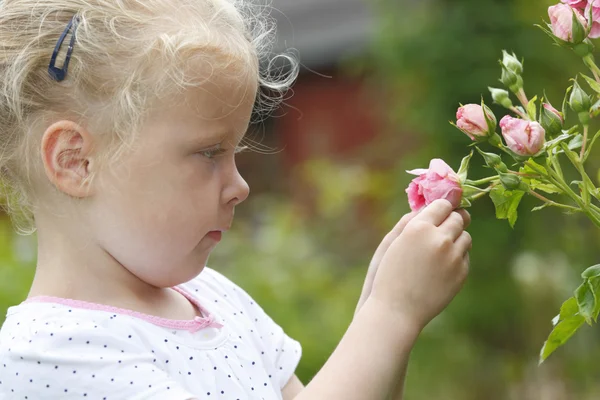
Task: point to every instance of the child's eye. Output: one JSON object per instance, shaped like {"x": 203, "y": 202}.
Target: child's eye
{"x": 218, "y": 150}
{"x": 214, "y": 152}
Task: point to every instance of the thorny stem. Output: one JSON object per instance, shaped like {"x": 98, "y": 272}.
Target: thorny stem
{"x": 481, "y": 181}
{"x": 486, "y": 191}
{"x": 552, "y": 203}
{"x": 522, "y": 98}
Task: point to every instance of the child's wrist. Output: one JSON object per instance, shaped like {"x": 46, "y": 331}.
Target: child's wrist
{"x": 389, "y": 318}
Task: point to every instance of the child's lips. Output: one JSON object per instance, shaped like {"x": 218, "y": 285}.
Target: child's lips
{"x": 215, "y": 235}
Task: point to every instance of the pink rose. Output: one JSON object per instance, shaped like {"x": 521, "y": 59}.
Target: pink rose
{"x": 594, "y": 6}
{"x": 525, "y": 138}
{"x": 561, "y": 19}
{"x": 576, "y": 3}
{"x": 437, "y": 182}
{"x": 470, "y": 120}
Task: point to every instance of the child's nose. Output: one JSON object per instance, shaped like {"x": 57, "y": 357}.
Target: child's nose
{"x": 238, "y": 190}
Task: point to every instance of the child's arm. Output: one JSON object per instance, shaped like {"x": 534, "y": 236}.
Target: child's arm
{"x": 369, "y": 361}
{"x": 420, "y": 273}
{"x": 292, "y": 388}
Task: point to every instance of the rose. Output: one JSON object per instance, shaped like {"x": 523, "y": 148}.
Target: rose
{"x": 524, "y": 138}
{"x": 594, "y": 7}
{"x": 588, "y": 5}
{"x": 561, "y": 20}
{"x": 471, "y": 120}
{"x": 576, "y": 3}
{"x": 437, "y": 182}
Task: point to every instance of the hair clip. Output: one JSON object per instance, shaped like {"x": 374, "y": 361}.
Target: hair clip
{"x": 59, "y": 74}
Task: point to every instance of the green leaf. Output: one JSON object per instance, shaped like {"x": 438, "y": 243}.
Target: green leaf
{"x": 586, "y": 300}
{"x": 506, "y": 203}
{"x": 536, "y": 169}
{"x": 560, "y": 138}
{"x": 544, "y": 187}
{"x": 465, "y": 203}
{"x": 536, "y": 184}
{"x": 576, "y": 142}
{"x": 568, "y": 309}
{"x": 592, "y": 82}
{"x": 531, "y": 108}
{"x": 595, "y": 284}
{"x": 464, "y": 167}
{"x": 561, "y": 333}
{"x": 591, "y": 272}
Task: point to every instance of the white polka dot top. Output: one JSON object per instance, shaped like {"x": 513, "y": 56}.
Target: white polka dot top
{"x": 54, "y": 348}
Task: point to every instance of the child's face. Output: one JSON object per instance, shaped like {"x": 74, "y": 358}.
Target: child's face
{"x": 157, "y": 212}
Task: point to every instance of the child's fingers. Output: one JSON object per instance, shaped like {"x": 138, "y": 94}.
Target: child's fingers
{"x": 464, "y": 243}
{"x": 436, "y": 212}
{"x": 453, "y": 225}
{"x": 466, "y": 217}
{"x": 397, "y": 230}
{"x": 391, "y": 236}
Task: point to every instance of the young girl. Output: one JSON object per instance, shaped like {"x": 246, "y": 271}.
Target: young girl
{"x": 119, "y": 122}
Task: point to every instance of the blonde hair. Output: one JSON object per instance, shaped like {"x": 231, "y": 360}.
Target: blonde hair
{"x": 127, "y": 54}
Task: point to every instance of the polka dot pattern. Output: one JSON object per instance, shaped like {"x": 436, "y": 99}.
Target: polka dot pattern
{"x": 53, "y": 351}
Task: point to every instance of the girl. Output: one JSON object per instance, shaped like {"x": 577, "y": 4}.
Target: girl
{"x": 120, "y": 120}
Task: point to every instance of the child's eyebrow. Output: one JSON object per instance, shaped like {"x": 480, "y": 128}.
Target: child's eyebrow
{"x": 214, "y": 138}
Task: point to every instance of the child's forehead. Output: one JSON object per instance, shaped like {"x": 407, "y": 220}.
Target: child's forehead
{"x": 202, "y": 138}
{"x": 225, "y": 107}
{"x": 206, "y": 115}
{"x": 219, "y": 94}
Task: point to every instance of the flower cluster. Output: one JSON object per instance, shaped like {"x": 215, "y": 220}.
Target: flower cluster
{"x": 537, "y": 140}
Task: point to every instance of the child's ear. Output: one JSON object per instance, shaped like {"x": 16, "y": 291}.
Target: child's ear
{"x": 66, "y": 154}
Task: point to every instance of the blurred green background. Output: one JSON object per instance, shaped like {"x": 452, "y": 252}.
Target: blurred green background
{"x": 302, "y": 242}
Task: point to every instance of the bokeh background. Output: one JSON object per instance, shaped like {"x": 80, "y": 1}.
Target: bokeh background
{"x": 380, "y": 80}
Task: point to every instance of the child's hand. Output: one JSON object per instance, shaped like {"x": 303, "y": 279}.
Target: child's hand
{"x": 379, "y": 253}
{"x": 385, "y": 245}
{"x": 425, "y": 265}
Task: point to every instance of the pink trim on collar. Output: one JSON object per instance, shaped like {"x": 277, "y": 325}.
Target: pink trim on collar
{"x": 193, "y": 325}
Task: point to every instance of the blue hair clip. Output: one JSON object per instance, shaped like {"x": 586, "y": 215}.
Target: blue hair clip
{"x": 59, "y": 74}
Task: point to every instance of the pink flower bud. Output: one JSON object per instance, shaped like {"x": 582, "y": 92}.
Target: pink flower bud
{"x": 524, "y": 138}
{"x": 470, "y": 120}
{"x": 551, "y": 119}
{"x": 553, "y": 110}
{"x": 437, "y": 182}
{"x": 576, "y": 3}
{"x": 561, "y": 19}
{"x": 594, "y": 5}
